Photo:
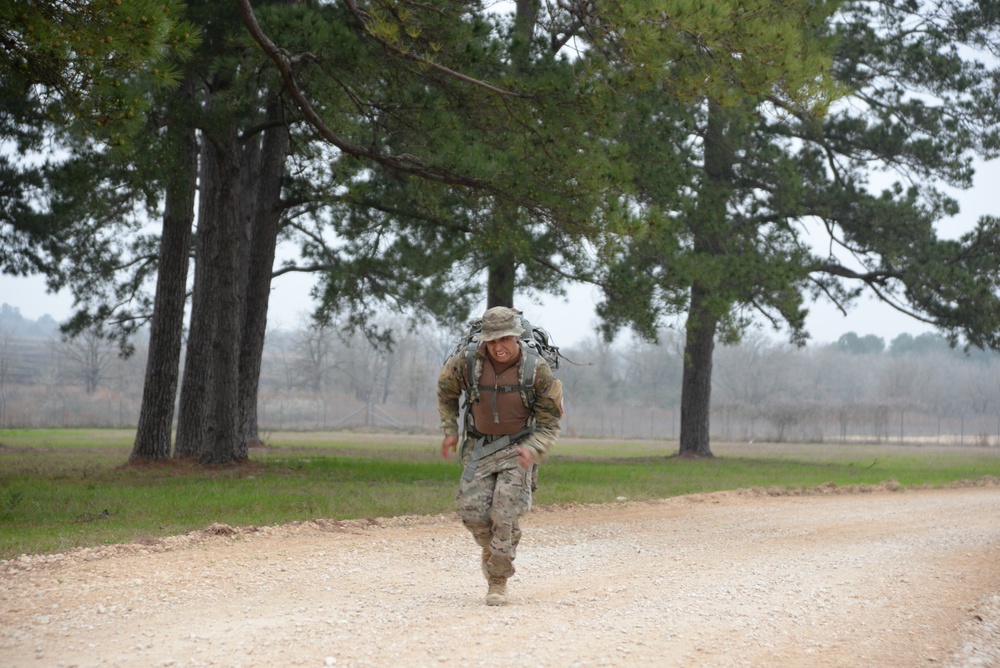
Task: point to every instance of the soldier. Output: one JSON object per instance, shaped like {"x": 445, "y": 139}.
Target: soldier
{"x": 513, "y": 421}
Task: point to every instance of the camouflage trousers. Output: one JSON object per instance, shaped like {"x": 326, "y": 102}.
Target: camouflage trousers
{"x": 491, "y": 503}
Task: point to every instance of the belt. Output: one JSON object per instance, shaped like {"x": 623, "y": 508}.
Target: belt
{"x": 485, "y": 447}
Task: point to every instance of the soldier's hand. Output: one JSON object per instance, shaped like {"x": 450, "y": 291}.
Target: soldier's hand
{"x": 449, "y": 445}
{"x": 525, "y": 456}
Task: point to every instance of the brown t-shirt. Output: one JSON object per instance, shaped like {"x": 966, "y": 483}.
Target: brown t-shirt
{"x": 500, "y": 409}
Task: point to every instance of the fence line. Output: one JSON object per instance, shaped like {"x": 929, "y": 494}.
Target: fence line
{"x": 869, "y": 423}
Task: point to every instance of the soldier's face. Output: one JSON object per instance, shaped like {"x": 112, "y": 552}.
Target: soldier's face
{"x": 502, "y": 350}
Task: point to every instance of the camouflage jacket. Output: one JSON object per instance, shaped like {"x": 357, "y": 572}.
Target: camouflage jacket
{"x": 546, "y": 412}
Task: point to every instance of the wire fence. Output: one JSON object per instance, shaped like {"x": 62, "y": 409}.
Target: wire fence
{"x": 801, "y": 423}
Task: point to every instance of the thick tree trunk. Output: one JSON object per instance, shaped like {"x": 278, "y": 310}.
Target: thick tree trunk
{"x": 502, "y": 269}
{"x": 696, "y": 385}
{"x": 708, "y": 302}
{"x": 222, "y": 442}
{"x": 159, "y": 391}
{"x": 500, "y": 281}
{"x": 525, "y": 21}
{"x": 192, "y": 417}
{"x": 250, "y": 166}
{"x": 267, "y": 216}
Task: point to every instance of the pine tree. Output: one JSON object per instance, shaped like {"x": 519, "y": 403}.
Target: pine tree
{"x": 762, "y": 171}
{"x": 77, "y": 73}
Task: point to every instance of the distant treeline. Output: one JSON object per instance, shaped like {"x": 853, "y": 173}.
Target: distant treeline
{"x": 15, "y": 324}
{"x": 913, "y": 388}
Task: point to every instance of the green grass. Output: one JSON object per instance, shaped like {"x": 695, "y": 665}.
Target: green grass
{"x": 61, "y": 489}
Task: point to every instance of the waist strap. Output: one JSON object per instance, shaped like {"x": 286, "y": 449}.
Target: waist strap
{"x": 483, "y": 449}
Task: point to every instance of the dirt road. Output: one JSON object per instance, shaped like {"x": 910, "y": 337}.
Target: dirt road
{"x": 877, "y": 578}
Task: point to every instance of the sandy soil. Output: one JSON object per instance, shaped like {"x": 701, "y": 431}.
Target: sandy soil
{"x": 829, "y": 578}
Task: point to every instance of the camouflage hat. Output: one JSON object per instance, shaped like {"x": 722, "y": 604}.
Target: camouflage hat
{"x": 499, "y": 322}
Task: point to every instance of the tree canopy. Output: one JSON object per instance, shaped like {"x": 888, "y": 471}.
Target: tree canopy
{"x": 75, "y": 79}
{"x": 733, "y": 210}
{"x": 89, "y": 63}
{"x": 686, "y": 156}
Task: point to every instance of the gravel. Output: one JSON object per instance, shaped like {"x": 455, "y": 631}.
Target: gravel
{"x": 825, "y": 577}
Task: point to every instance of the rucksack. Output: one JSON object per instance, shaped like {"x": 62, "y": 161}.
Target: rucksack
{"x": 537, "y": 342}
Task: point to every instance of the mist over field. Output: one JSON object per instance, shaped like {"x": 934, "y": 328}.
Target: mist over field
{"x": 857, "y": 389}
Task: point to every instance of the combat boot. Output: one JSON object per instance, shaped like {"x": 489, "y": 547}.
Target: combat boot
{"x": 497, "y": 593}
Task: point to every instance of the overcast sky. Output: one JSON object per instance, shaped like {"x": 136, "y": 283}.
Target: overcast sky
{"x": 572, "y": 320}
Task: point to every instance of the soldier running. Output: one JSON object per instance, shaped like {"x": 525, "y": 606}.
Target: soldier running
{"x": 514, "y": 407}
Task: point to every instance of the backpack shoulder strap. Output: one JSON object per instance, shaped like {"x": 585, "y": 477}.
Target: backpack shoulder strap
{"x": 527, "y": 379}
{"x": 471, "y": 382}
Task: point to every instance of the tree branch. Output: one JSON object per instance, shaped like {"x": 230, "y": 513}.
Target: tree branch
{"x": 875, "y": 280}
{"x": 871, "y": 277}
{"x": 303, "y": 269}
{"x": 363, "y": 21}
{"x": 404, "y": 163}
{"x": 553, "y": 268}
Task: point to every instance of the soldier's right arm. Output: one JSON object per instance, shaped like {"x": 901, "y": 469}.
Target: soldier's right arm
{"x": 451, "y": 382}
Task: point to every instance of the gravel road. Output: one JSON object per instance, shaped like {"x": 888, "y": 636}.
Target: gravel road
{"x": 832, "y": 577}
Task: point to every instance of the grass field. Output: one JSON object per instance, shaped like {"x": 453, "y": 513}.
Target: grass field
{"x": 61, "y": 489}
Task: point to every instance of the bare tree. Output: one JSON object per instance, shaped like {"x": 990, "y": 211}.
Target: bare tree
{"x": 89, "y": 355}
{"x": 312, "y": 350}
{"x": 365, "y": 369}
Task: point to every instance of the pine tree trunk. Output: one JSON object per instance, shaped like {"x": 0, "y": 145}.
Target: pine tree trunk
{"x": 708, "y": 302}
{"x": 250, "y": 166}
{"x": 267, "y": 216}
{"x": 502, "y": 268}
{"x": 500, "y": 281}
{"x": 192, "y": 416}
{"x": 225, "y": 296}
{"x": 159, "y": 390}
{"x": 696, "y": 385}
{"x": 525, "y": 22}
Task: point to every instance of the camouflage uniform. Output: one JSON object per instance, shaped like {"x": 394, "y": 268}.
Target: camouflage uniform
{"x": 491, "y": 499}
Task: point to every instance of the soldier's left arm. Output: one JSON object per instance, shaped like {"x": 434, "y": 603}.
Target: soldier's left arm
{"x": 547, "y": 411}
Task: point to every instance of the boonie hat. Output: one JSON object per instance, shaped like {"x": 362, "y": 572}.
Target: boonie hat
{"x": 499, "y": 322}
